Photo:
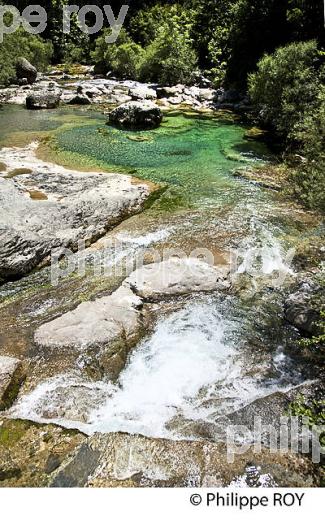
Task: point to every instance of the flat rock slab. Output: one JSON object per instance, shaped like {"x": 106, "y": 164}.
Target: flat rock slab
{"x": 45, "y": 207}
{"x": 118, "y": 316}
{"x": 11, "y": 376}
{"x": 94, "y": 323}
{"x": 175, "y": 277}
{"x": 118, "y": 459}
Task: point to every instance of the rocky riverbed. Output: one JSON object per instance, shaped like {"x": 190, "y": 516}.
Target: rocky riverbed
{"x": 131, "y": 377}
{"x": 49, "y": 91}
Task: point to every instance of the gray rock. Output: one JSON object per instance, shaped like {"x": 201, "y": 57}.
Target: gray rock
{"x": 139, "y": 93}
{"x": 95, "y": 323}
{"x": 119, "y": 459}
{"x": 167, "y": 92}
{"x": 25, "y": 70}
{"x": 107, "y": 321}
{"x": 80, "y": 99}
{"x": 199, "y": 80}
{"x": 43, "y": 100}
{"x": 268, "y": 409}
{"x": 175, "y": 277}
{"x": 11, "y": 376}
{"x": 52, "y": 207}
{"x": 136, "y": 114}
{"x": 301, "y": 308}
{"x": 229, "y": 96}
{"x": 77, "y": 471}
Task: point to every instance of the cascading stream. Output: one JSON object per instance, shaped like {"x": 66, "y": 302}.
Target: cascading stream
{"x": 201, "y": 360}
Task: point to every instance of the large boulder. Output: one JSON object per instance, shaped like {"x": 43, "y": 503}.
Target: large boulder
{"x": 167, "y": 92}
{"x": 199, "y": 80}
{"x": 49, "y": 208}
{"x": 118, "y": 317}
{"x": 25, "y": 70}
{"x": 43, "y": 99}
{"x": 94, "y": 323}
{"x": 136, "y": 114}
{"x": 175, "y": 277}
{"x": 80, "y": 99}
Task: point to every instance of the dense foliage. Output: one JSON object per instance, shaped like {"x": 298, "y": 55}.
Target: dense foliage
{"x": 32, "y": 47}
{"x": 272, "y": 47}
{"x": 288, "y": 91}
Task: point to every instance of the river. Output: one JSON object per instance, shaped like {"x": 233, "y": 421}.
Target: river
{"x": 205, "y": 355}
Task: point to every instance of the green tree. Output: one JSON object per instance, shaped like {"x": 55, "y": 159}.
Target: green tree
{"x": 210, "y": 32}
{"x": 123, "y": 57}
{"x": 145, "y": 25}
{"x": 170, "y": 58}
{"x": 29, "y": 46}
{"x": 286, "y": 86}
{"x": 308, "y": 137}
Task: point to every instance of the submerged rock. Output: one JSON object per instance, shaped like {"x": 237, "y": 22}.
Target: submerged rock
{"x": 12, "y": 374}
{"x": 136, "y": 114}
{"x": 118, "y": 459}
{"x": 66, "y": 398}
{"x": 53, "y": 208}
{"x": 25, "y": 70}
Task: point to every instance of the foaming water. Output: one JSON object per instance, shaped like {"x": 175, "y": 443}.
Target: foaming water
{"x": 262, "y": 253}
{"x": 185, "y": 353}
{"x": 194, "y": 366}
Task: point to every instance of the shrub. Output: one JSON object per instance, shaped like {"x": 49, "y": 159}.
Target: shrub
{"x": 308, "y": 137}
{"x": 170, "y": 58}
{"x": 123, "y": 57}
{"x": 21, "y": 43}
{"x": 285, "y": 86}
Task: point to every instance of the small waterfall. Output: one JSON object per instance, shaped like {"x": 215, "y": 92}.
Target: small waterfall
{"x": 195, "y": 366}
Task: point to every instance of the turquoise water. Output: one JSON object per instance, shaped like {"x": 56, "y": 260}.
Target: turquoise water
{"x": 192, "y": 154}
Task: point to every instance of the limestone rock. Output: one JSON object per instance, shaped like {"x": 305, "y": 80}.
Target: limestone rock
{"x": 117, "y": 317}
{"x": 96, "y": 323}
{"x": 175, "y": 277}
{"x": 138, "y": 93}
{"x": 52, "y": 208}
{"x": 301, "y": 308}
{"x": 117, "y": 459}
